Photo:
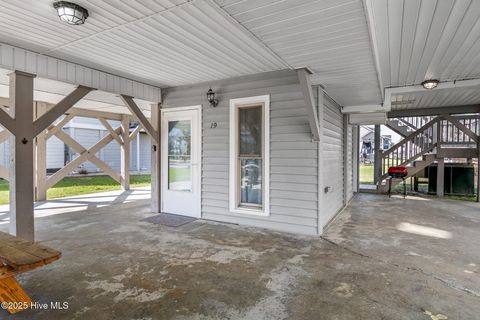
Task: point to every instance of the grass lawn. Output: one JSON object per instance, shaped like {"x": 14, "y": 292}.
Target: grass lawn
{"x": 72, "y": 186}
{"x": 179, "y": 174}
{"x": 366, "y": 173}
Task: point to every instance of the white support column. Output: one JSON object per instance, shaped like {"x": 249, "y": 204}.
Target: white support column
{"x": 377, "y": 164}
{"x": 138, "y": 153}
{"x": 440, "y": 177}
{"x": 156, "y": 203}
{"x": 21, "y": 156}
{"x": 40, "y": 156}
{"x": 125, "y": 153}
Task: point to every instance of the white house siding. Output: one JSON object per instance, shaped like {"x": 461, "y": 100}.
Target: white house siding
{"x": 87, "y": 138}
{"x": 110, "y": 154}
{"x": 332, "y": 161}
{"x": 293, "y": 157}
{"x": 145, "y": 152}
{"x": 55, "y": 153}
{"x": 133, "y": 155}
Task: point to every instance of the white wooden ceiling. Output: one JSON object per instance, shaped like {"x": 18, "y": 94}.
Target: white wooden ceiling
{"x": 437, "y": 98}
{"x": 177, "y": 42}
{"x": 329, "y": 36}
{"x": 430, "y": 39}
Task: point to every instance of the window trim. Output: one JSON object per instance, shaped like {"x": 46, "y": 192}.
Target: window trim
{"x": 235, "y": 104}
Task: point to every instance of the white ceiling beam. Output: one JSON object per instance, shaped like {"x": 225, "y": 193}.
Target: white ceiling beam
{"x": 367, "y": 7}
{"x": 389, "y": 92}
{"x": 14, "y": 58}
{"x": 306, "y": 86}
{"x": 367, "y": 108}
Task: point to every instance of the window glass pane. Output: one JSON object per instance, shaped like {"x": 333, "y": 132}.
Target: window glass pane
{"x": 179, "y": 173}
{"x": 179, "y": 156}
{"x": 251, "y": 181}
{"x": 250, "y": 129}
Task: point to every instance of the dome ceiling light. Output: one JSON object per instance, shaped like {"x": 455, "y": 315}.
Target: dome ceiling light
{"x": 430, "y": 84}
{"x": 71, "y": 13}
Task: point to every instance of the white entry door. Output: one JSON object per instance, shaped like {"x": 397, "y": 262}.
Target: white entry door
{"x": 181, "y": 156}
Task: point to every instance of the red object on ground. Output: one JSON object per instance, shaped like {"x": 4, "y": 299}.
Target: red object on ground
{"x": 398, "y": 172}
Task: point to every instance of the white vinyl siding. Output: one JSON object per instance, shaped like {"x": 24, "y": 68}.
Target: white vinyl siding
{"x": 332, "y": 161}
{"x": 55, "y": 153}
{"x": 293, "y": 156}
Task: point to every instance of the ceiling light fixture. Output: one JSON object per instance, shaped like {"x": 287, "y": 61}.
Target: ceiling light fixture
{"x": 430, "y": 84}
{"x": 71, "y": 13}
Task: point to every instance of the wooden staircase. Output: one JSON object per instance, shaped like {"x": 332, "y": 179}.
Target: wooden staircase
{"x": 444, "y": 136}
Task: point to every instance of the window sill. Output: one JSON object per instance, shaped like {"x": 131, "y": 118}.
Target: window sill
{"x": 253, "y": 212}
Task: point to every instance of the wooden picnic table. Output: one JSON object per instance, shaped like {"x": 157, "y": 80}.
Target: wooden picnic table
{"x": 17, "y": 256}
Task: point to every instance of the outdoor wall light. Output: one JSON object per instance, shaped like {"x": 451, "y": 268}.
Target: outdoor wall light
{"x": 71, "y": 13}
{"x": 430, "y": 84}
{"x": 211, "y": 98}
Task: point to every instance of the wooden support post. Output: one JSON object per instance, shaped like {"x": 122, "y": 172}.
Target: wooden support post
{"x": 356, "y": 157}
{"x": 377, "y": 161}
{"x": 440, "y": 177}
{"x": 346, "y": 155}
{"x": 41, "y": 156}
{"x": 125, "y": 153}
{"x": 21, "y": 156}
{"x": 478, "y": 173}
{"x": 156, "y": 203}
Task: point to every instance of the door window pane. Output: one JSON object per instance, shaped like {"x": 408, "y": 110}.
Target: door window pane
{"x": 251, "y": 181}
{"x": 179, "y": 156}
{"x": 250, "y": 129}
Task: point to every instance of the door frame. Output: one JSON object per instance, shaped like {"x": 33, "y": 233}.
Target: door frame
{"x": 198, "y": 182}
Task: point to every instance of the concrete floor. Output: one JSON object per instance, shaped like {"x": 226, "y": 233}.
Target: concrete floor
{"x": 382, "y": 259}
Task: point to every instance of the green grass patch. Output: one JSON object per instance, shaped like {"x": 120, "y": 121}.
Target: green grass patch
{"x": 366, "y": 174}
{"x": 178, "y": 174}
{"x": 73, "y": 186}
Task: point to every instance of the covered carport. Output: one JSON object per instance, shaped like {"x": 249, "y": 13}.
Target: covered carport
{"x": 39, "y": 94}
{"x": 312, "y": 71}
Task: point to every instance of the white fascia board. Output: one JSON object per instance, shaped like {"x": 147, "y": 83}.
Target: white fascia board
{"x": 367, "y": 118}
{"x": 14, "y": 58}
{"x": 368, "y": 108}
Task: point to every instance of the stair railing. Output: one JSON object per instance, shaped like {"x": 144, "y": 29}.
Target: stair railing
{"x": 411, "y": 147}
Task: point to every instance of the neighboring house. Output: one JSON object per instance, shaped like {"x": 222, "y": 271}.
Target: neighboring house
{"x": 367, "y": 147}
{"x": 87, "y": 131}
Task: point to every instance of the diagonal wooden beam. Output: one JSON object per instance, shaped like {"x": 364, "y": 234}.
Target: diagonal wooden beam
{"x": 60, "y": 108}
{"x": 144, "y": 122}
{"x": 54, "y": 128}
{"x": 306, "y": 86}
{"x": 110, "y": 129}
{"x": 4, "y": 135}
{"x": 134, "y": 133}
{"x": 85, "y": 155}
{"x": 7, "y": 121}
{"x": 462, "y": 127}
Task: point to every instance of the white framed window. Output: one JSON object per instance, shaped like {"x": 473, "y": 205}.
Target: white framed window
{"x": 249, "y": 185}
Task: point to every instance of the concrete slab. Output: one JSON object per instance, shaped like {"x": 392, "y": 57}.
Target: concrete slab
{"x": 81, "y": 203}
{"x": 376, "y": 262}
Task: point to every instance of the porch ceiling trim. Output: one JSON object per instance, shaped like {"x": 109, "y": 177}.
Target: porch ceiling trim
{"x": 14, "y": 58}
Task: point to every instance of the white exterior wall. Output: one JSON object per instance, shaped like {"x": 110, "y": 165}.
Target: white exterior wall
{"x": 332, "y": 162}
{"x": 293, "y": 156}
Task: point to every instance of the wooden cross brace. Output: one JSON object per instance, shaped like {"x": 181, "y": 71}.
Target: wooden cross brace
{"x": 50, "y": 116}
{"x": 84, "y": 155}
